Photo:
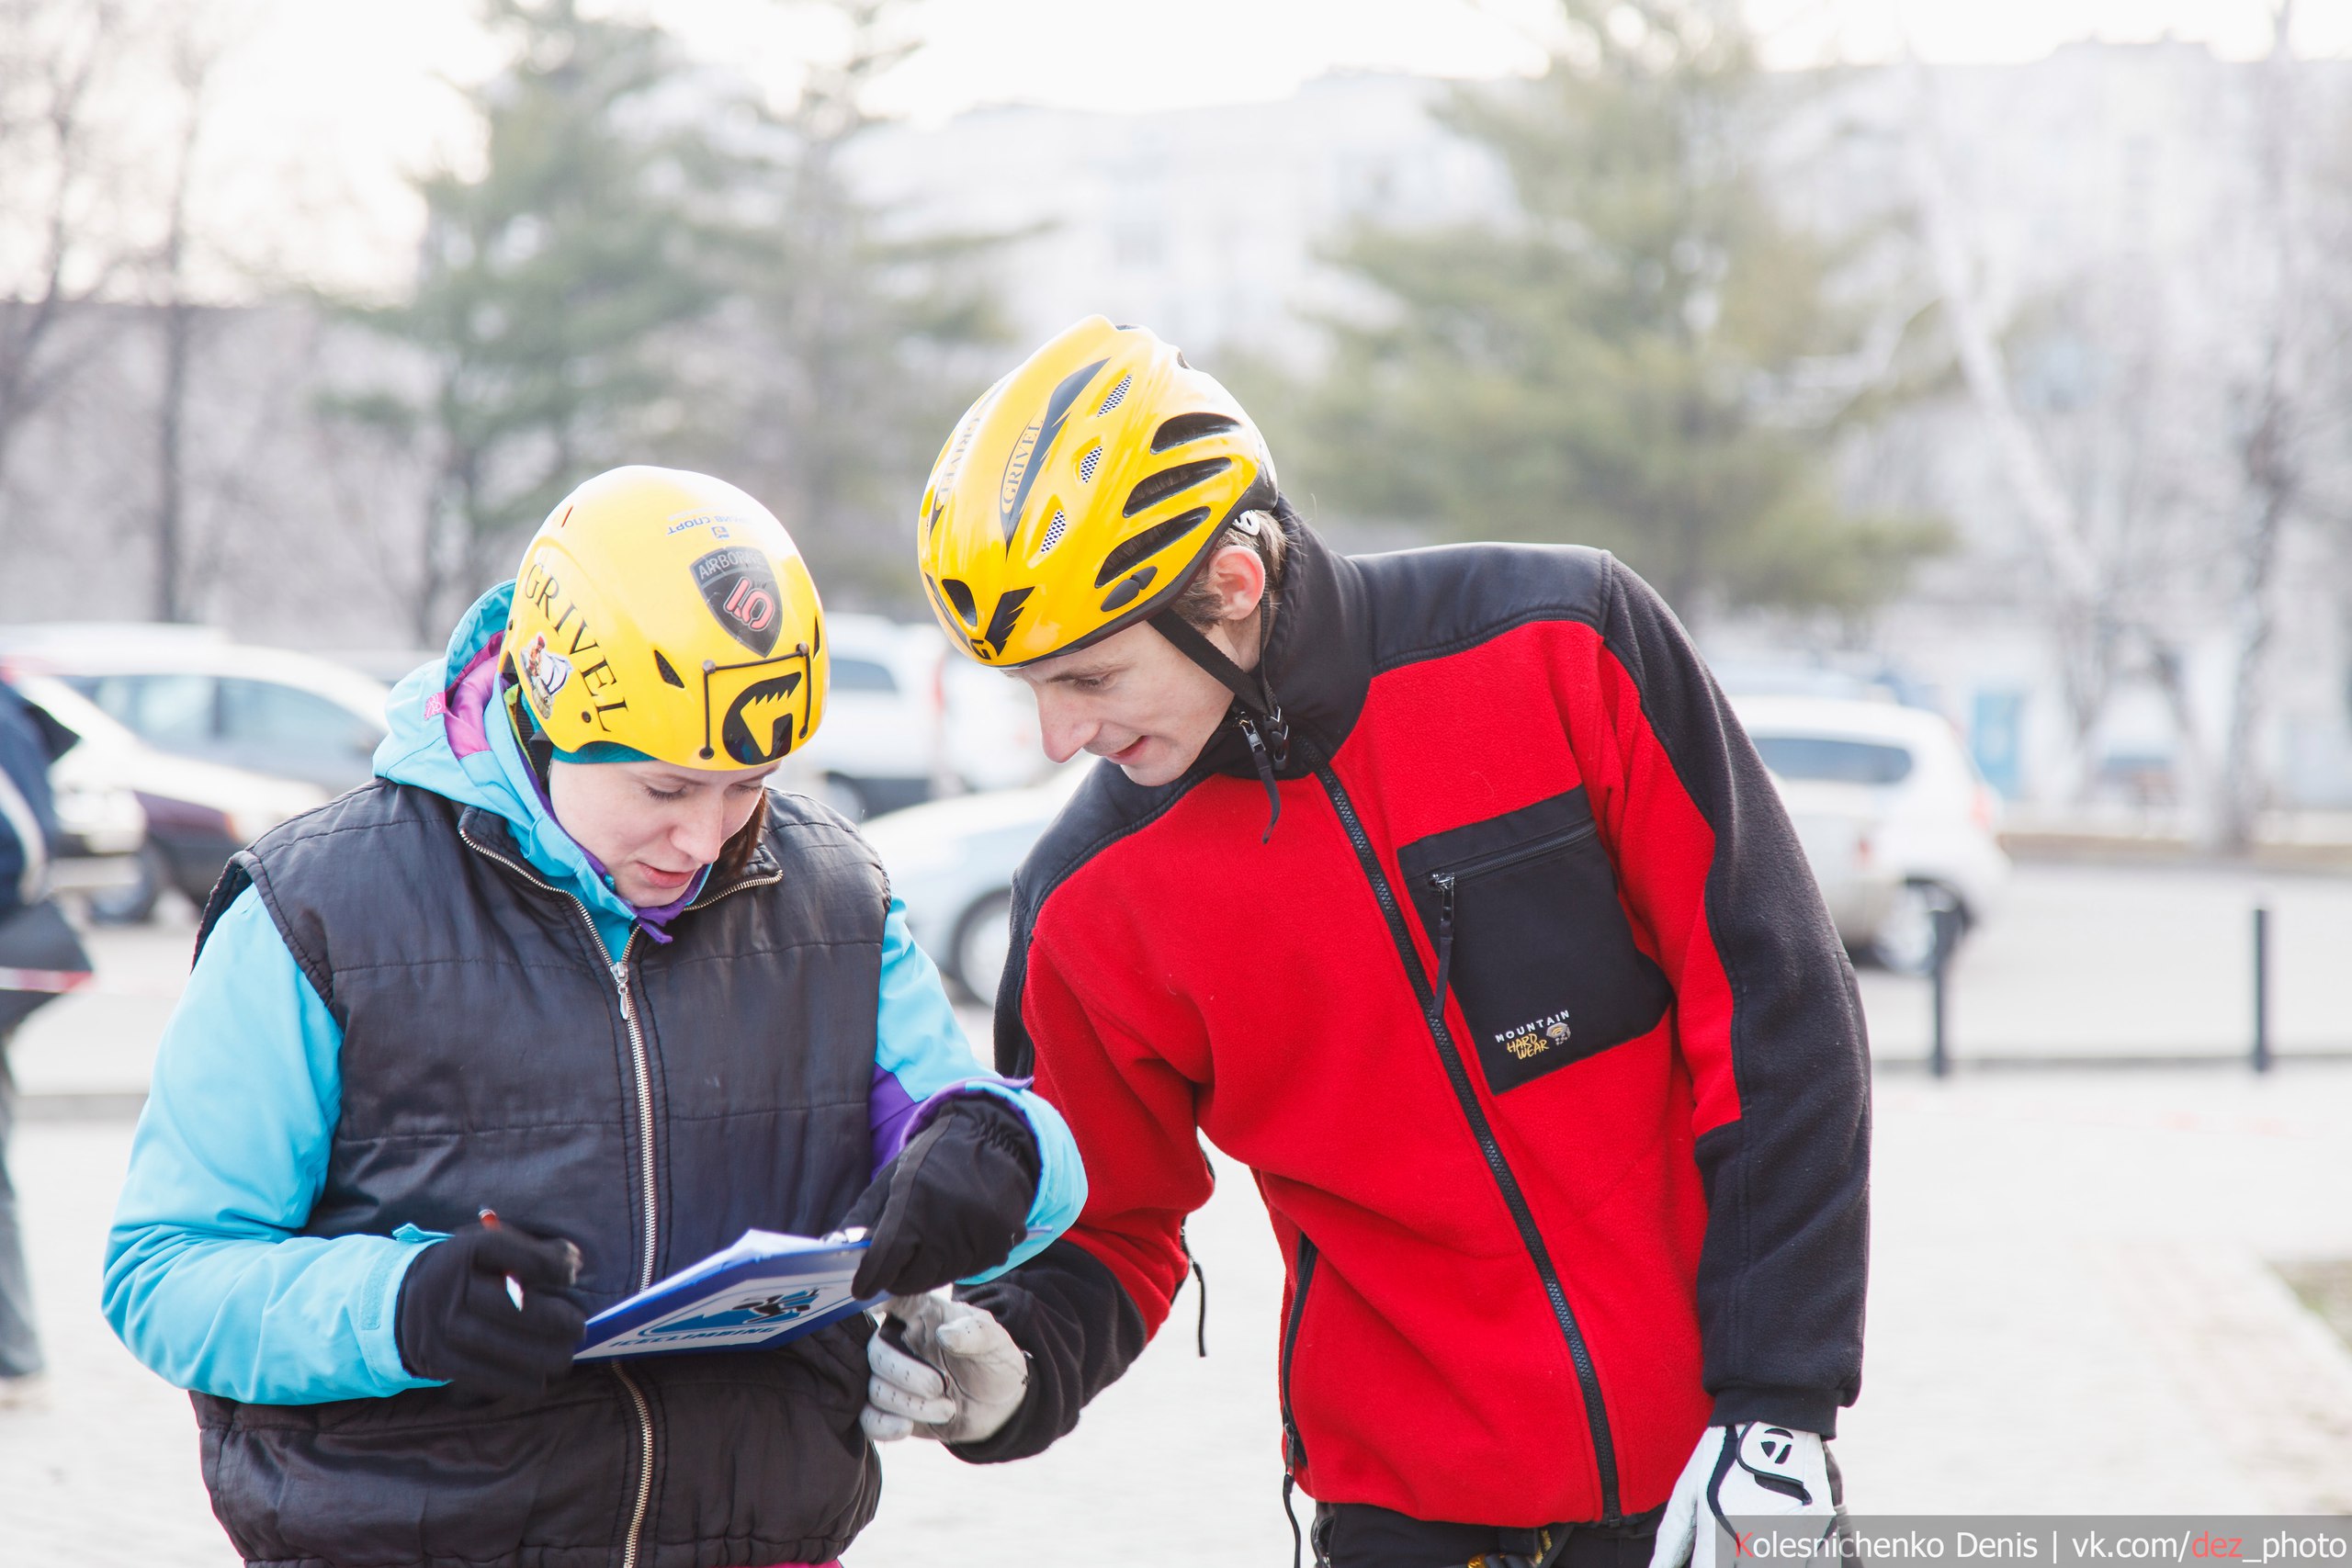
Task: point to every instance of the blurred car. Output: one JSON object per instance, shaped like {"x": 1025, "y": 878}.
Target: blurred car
{"x": 904, "y": 722}
{"x": 952, "y": 862}
{"x": 1894, "y": 818}
{"x": 992, "y": 739}
{"x": 878, "y": 749}
{"x": 197, "y": 694}
{"x": 193, "y": 815}
{"x": 101, "y": 825}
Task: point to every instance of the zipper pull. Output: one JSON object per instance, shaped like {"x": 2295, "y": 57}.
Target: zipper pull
{"x": 1258, "y": 755}
{"x": 1443, "y": 881}
{"x": 620, "y": 978}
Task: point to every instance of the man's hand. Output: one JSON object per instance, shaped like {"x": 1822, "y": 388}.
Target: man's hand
{"x": 955, "y": 1201}
{"x": 457, "y": 1321}
{"x": 1745, "y": 1470}
{"x": 942, "y": 1369}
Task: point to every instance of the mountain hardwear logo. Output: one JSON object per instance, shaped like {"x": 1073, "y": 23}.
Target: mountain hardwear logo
{"x": 1530, "y": 1040}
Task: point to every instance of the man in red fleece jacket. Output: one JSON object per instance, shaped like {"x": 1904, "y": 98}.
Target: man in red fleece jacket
{"x": 1443, "y": 890}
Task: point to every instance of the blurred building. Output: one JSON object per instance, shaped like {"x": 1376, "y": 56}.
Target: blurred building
{"x": 1203, "y": 223}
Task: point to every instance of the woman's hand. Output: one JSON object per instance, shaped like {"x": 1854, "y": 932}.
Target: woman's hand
{"x": 955, "y": 1201}
{"x": 458, "y": 1321}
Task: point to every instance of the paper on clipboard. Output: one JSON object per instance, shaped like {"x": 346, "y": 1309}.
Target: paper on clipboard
{"x": 766, "y": 1289}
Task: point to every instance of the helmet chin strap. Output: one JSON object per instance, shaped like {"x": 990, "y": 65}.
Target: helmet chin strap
{"x": 1261, "y": 721}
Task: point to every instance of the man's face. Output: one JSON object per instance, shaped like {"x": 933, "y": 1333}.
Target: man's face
{"x": 652, "y": 826}
{"x": 1132, "y": 698}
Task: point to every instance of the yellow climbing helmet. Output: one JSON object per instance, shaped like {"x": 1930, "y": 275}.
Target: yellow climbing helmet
{"x": 1079, "y": 495}
{"x": 664, "y": 615}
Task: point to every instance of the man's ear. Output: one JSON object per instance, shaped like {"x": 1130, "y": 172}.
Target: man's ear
{"x": 1237, "y": 577}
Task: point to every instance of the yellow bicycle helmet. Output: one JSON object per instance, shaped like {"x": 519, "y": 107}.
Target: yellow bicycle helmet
{"x": 665, "y": 615}
{"x": 1081, "y": 493}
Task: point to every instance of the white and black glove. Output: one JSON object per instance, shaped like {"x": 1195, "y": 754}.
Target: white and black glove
{"x": 1746, "y": 1470}
{"x": 942, "y": 1369}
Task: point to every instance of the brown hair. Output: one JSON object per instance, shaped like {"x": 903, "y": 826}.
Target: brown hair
{"x": 1198, "y": 603}
{"x": 737, "y": 853}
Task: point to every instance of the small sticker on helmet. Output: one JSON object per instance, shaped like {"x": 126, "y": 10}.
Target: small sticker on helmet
{"x": 545, "y": 670}
{"x": 740, "y": 586}
{"x": 759, "y": 727}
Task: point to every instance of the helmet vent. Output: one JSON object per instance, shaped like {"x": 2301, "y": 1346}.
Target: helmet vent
{"x": 959, "y": 594}
{"x": 1117, "y": 394}
{"x": 1129, "y": 553}
{"x": 662, "y": 665}
{"x": 1153, "y": 489}
{"x": 1191, "y": 427}
{"x": 1055, "y": 529}
{"x": 1088, "y": 463}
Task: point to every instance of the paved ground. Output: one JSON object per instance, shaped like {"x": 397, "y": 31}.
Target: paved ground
{"x": 2071, "y": 1306}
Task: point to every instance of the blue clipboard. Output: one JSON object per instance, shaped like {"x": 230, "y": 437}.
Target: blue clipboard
{"x": 766, "y": 1290}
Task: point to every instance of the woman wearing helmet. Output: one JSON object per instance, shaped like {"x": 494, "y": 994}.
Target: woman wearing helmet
{"x": 566, "y": 959}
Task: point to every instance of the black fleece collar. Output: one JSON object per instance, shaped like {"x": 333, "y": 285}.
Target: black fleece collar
{"x": 1317, "y": 662}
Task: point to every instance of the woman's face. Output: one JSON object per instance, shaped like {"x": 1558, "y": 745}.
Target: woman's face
{"x": 652, "y": 825}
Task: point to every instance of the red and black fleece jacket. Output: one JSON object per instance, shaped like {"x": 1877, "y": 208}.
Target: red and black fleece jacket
{"x": 1527, "y": 1018}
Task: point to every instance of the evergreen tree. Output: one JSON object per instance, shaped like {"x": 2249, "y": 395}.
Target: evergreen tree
{"x": 850, "y": 338}
{"x": 1601, "y": 366}
{"x": 544, "y": 287}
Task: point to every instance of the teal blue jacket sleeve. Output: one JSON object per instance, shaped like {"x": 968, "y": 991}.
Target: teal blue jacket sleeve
{"x": 922, "y": 1058}
{"x": 206, "y": 1280}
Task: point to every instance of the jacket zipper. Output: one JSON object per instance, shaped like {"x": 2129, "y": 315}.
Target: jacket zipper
{"x": 644, "y": 1071}
{"x": 1295, "y": 1446}
{"x": 642, "y": 1067}
{"x": 1498, "y": 859}
{"x": 644, "y": 1499}
{"x": 1604, "y": 1449}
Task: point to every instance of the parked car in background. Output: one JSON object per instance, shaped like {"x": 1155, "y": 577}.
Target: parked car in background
{"x": 1894, "y": 818}
{"x": 192, "y": 815}
{"x": 952, "y": 862}
{"x": 193, "y": 693}
{"x": 878, "y": 749}
{"x": 101, "y": 825}
{"x": 905, "y": 722}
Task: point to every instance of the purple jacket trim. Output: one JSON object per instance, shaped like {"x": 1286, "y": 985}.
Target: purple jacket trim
{"x": 888, "y": 1108}
{"x": 464, "y": 705}
{"x": 895, "y": 1116}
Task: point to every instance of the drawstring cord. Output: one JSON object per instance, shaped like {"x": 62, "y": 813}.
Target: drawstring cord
{"x": 1260, "y": 720}
{"x": 1202, "y": 1332}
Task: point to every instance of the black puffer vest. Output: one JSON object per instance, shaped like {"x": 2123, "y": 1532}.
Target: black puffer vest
{"x": 650, "y": 1111}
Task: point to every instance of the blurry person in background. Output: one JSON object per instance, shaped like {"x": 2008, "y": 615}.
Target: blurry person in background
{"x": 566, "y": 959}
{"x": 1444, "y": 891}
{"x": 28, "y": 827}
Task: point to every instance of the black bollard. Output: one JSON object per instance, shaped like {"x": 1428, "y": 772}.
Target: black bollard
{"x": 2261, "y": 988}
{"x": 1947, "y": 922}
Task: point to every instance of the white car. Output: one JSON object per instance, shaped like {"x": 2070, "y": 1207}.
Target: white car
{"x": 1894, "y": 818}
{"x": 905, "y": 721}
{"x": 878, "y": 749}
{"x": 191, "y": 692}
{"x": 952, "y": 862}
{"x": 193, "y": 815}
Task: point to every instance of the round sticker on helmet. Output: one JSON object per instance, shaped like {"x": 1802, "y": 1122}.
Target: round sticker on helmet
{"x": 739, "y": 584}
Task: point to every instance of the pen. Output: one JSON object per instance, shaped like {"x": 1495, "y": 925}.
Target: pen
{"x": 514, "y": 1286}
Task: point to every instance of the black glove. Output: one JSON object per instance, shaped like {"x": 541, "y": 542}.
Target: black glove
{"x": 954, "y": 1202}
{"x": 456, "y": 1321}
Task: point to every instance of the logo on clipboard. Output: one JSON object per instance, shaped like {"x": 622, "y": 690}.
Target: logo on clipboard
{"x": 772, "y": 1310}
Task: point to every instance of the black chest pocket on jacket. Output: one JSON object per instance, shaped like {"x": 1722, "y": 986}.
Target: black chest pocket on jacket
{"x": 1522, "y": 911}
